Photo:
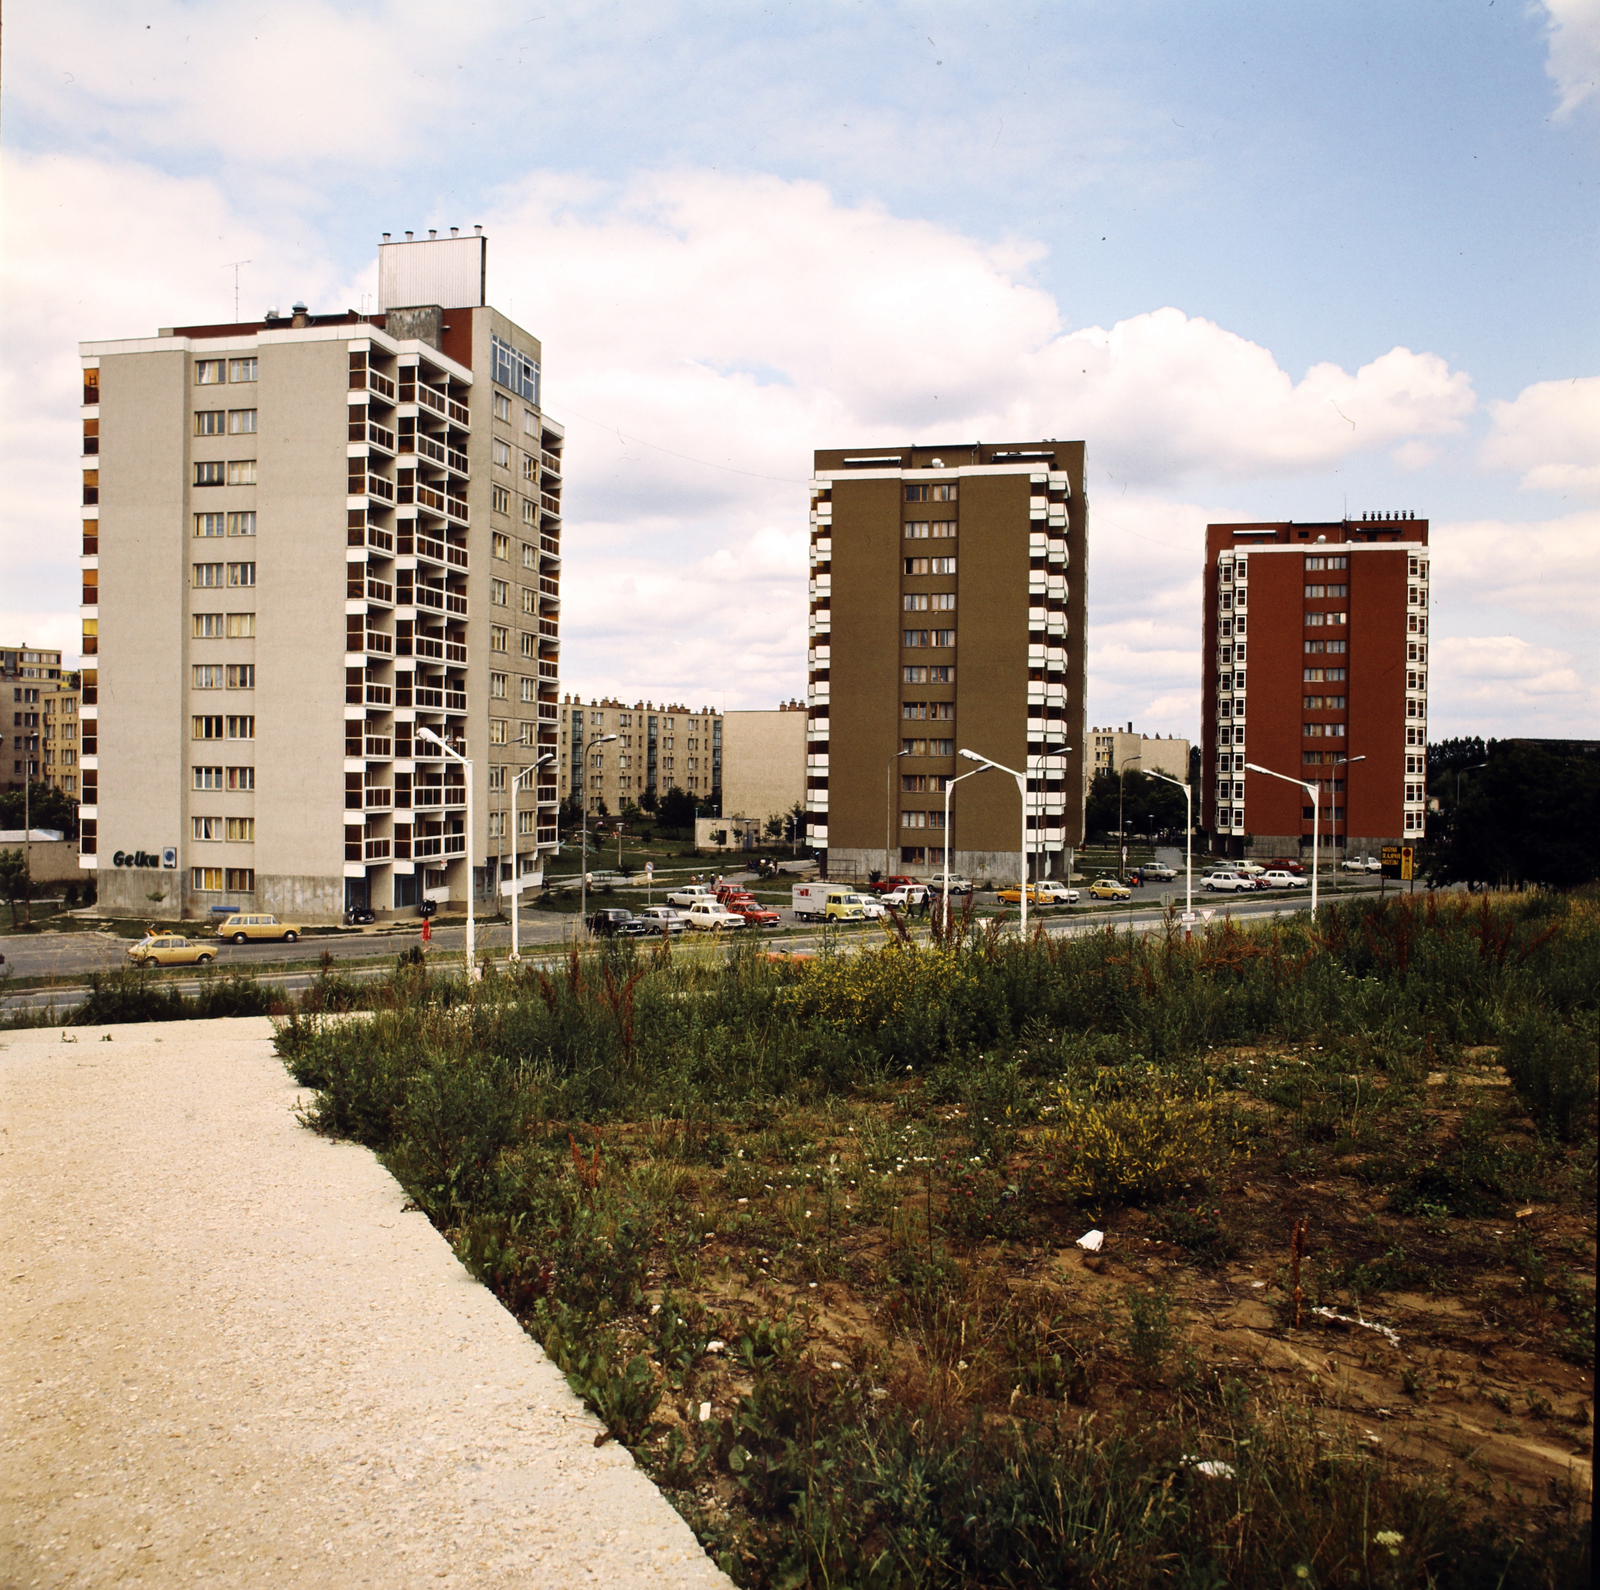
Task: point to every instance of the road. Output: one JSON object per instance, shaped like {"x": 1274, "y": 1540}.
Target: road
{"x": 66, "y": 959}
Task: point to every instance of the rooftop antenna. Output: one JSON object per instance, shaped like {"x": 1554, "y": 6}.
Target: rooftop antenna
{"x": 234, "y": 265}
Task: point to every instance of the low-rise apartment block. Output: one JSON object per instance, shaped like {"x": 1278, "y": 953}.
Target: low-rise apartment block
{"x": 32, "y": 684}
{"x": 616, "y": 754}
{"x": 1116, "y": 749}
{"x": 307, "y": 539}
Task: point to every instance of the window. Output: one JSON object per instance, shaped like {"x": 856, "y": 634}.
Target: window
{"x": 914, "y": 637}
{"x": 208, "y": 372}
{"x": 530, "y": 513}
{"x": 241, "y": 626}
{"x": 525, "y": 821}
{"x": 501, "y": 500}
{"x": 497, "y": 686}
{"x": 208, "y": 778}
{"x": 499, "y": 592}
{"x": 528, "y": 648}
{"x": 499, "y": 545}
{"x": 530, "y": 423}
{"x": 241, "y": 778}
{"x": 914, "y": 819}
{"x": 530, "y": 599}
{"x": 509, "y": 368}
{"x": 502, "y": 407}
{"x": 207, "y": 880}
{"x": 241, "y": 472}
{"x": 499, "y": 637}
{"x": 1322, "y": 731}
{"x": 241, "y": 422}
{"x": 943, "y": 492}
{"x": 1313, "y": 564}
{"x": 207, "y": 575}
{"x": 241, "y": 676}
{"x": 526, "y": 688}
{"x": 207, "y": 676}
{"x": 242, "y": 830}
{"x": 242, "y": 524}
{"x": 208, "y": 422}
{"x": 914, "y": 674}
{"x": 205, "y": 828}
{"x": 530, "y": 467}
{"x": 915, "y": 603}
{"x": 242, "y": 880}
{"x": 497, "y": 731}
{"x": 242, "y": 369}
{"x": 1324, "y": 703}
{"x": 944, "y": 674}
{"x": 530, "y": 556}
{"x": 501, "y": 452}
{"x": 915, "y": 855}
{"x": 935, "y": 529}
{"x": 1315, "y": 591}
{"x": 1317, "y": 620}
{"x": 943, "y": 601}
{"x": 497, "y": 825}
{"x": 210, "y": 524}
{"x": 941, "y": 637}
{"x": 209, "y": 474}
{"x": 241, "y": 574}
{"x": 241, "y": 727}
{"x": 207, "y": 626}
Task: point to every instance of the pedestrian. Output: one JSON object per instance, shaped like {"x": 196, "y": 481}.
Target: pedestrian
{"x": 427, "y": 932}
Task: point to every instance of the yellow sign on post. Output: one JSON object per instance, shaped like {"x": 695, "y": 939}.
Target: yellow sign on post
{"x": 1391, "y": 861}
{"x": 1408, "y": 856}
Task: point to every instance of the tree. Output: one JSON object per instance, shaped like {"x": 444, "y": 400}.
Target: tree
{"x": 774, "y": 828}
{"x": 794, "y": 824}
{"x": 1147, "y": 805}
{"x": 15, "y": 884}
{"x": 46, "y": 808}
{"x": 648, "y": 802}
{"x": 1527, "y": 817}
{"x": 676, "y": 809}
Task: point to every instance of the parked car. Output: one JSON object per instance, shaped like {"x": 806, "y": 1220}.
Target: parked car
{"x": 707, "y": 916}
{"x": 686, "y": 894}
{"x": 1109, "y": 889}
{"x": 663, "y": 919}
{"x": 1286, "y": 864}
{"x": 1277, "y": 878}
{"x": 1157, "y": 872}
{"x": 1043, "y": 893}
{"x": 906, "y": 896}
{"x": 244, "y": 926}
{"x": 729, "y": 891}
{"x": 615, "y": 922}
{"x": 169, "y": 949}
{"x": 1228, "y": 882}
{"x": 754, "y": 914}
{"x": 1250, "y": 869}
{"x": 898, "y": 880}
{"x": 958, "y": 884}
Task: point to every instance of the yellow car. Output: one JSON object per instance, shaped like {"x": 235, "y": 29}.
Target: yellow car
{"x": 169, "y": 949}
{"x": 1109, "y": 889}
{"x": 1041, "y": 894}
{"x": 244, "y": 926}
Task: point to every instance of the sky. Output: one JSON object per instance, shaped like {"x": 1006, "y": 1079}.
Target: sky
{"x": 1266, "y": 261}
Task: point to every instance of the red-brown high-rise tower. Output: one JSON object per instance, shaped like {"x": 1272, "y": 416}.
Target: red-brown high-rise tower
{"x": 1316, "y": 665}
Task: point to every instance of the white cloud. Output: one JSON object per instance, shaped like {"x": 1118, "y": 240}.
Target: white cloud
{"x": 1573, "y": 36}
{"x": 1502, "y": 685}
{"x": 1551, "y": 433}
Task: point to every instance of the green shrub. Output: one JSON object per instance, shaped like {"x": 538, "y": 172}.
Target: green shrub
{"x": 1553, "y": 1066}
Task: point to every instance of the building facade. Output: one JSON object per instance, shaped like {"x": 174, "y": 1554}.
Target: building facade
{"x": 32, "y": 679}
{"x": 305, "y": 540}
{"x": 1116, "y": 749}
{"x": 947, "y": 613}
{"x": 1316, "y": 666}
{"x": 655, "y": 749}
{"x": 764, "y": 761}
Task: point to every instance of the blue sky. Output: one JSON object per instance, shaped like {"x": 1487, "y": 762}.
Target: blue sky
{"x": 1267, "y": 261}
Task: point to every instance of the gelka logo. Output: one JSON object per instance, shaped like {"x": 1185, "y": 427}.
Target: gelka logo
{"x": 135, "y": 858}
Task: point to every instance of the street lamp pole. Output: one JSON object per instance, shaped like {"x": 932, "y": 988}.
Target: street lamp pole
{"x": 1314, "y": 793}
{"x": 1333, "y": 811}
{"x": 1188, "y": 838}
{"x": 516, "y": 861}
{"x": 888, "y": 807}
{"x": 583, "y": 824}
{"x": 950, "y": 784}
{"x": 1022, "y": 789}
{"x": 1122, "y": 838}
{"x": 425, "y": 733}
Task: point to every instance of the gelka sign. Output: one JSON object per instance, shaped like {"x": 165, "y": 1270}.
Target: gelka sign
{"x": 145, "y": 858}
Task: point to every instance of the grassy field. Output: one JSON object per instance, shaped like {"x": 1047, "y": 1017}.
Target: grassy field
{"x": 806, "y": 1237}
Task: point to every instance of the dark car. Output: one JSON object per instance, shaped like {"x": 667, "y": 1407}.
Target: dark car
{"x": 614, "y": 922}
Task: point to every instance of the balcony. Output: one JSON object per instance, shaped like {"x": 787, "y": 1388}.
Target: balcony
{"x": 371, "y": 536}
{"x": 374, "y": 590}
{"x": 439, "y": 600}
{"x": 376, "y": 643}
{"x": 379, "y": 696}
{"x": 448, "y": 651}
{"x": 549, "y": 504}
{"x": 371, "y": 381}
{"x": 427, "y": 398}
{"x": 549, "y": 712}
{"x": 549, "y": 670}
{"x": 549, "y": 587}
{"x": 444, "y": 552}
{"x": 380, "y": 745}
{"x": 438, "y": 797}
{"x": 549, "y": 546}
{"x": 375, "y": 850}
{"x": 550, "y": 462}
{"x": 436, "y": 452}
{"x": 375, "y": 799}
{"x": 455, "y": 701}
{"x": 371, "y": 432}
{"x": 423, "y": 845}
{"x": 372, "y": 485}
{"x": 549, "y": 629}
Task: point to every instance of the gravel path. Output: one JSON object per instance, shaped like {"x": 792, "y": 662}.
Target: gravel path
{"x": 231, "y": 1359}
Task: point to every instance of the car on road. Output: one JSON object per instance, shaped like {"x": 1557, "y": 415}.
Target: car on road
{"x": 706, "y": 916}
{"x": 169, "y": 949}
{"x": 905, "y": 896}
{"x": 898, "y": 880}
{"x": 664, "y": 920}
{"x": 244, "y": 926}
{"x": 729, "y": 891}
{"x": 1286, "y": 864}
{"x": 686, "y": 894}
{"x": 616, "y": 922}
{"x": 1277, "y": 878}
{"x": 1109, "y": 889}
{"x": 958, "y": 884}
{"x": 754, "y": 914}
{"x": 1363, "y": 864}
{"x": 1157, "y": 872}
{"x": 1228, "y": 882}
{"x": 1046, "y": 892}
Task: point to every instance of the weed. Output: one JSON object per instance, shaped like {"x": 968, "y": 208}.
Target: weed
{"x": 1151, "y": 1331}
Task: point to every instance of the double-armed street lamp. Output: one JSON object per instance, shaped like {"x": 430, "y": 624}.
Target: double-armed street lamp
{"x": 1122, "y": 838}
{"x": 583, "y": 823}
{"x": 1333, "y": 810}
{"x": 1188, "y": 836}
{"x": 425, "y": 733}
{"x": 949, "y": 785}
{"x": 1314, "y": 795}
{"x": 516, "y": 862}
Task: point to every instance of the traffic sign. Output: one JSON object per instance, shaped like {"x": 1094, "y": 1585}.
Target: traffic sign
{"x": 1391, "y": 861}
{"x": 1408, "y": 857}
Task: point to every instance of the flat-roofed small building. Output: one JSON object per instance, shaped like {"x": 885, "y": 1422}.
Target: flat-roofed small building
{"x": 764, "y": 761}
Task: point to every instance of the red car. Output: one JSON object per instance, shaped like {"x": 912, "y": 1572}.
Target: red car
{"x": 900, "y": 880}
{"x": 754, "y": 915}
{"x": 732, "y": 891}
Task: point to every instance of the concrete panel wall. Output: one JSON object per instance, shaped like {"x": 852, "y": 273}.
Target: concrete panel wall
{"x": 763, "y": 763}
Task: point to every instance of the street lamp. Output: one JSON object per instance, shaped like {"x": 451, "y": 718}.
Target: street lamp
{"x": 583, "y": 824}
{"x": 888, "y": 806}
{"x": 425, "y": 733}
{"x": 950, "y": 784}
{"x": 516, "y": 861}
{"x": 1022, "y": 789}
{"x": 1188, "y": 837}
{"x": 1122, "y": 838}
{"x": 1470, "y": 768}
{"x": 1313, "y": 791}
{"x": 1333, "y": 810}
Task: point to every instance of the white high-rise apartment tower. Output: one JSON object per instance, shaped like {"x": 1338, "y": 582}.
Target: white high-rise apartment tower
{"x": 304, "y": 539}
